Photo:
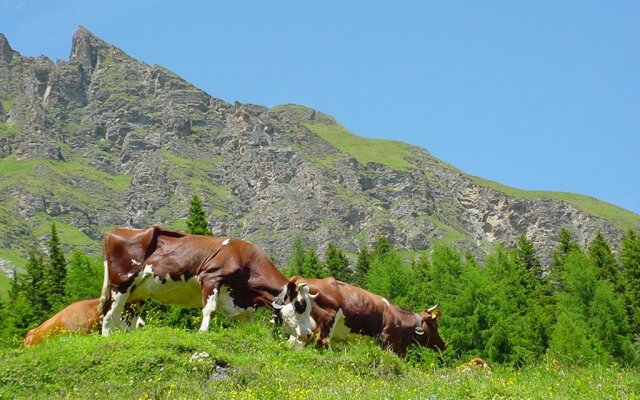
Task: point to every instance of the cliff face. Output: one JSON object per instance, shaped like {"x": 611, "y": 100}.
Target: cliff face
{"x": 104, "y": 140}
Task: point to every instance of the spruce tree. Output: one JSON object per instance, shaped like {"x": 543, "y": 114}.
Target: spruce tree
{"x": 526, "y": 257}
{"x": 197, "y": 220}
{"x": 55, "y": 271}
{"x": 35, "y": 286}
{"x": 297, "y": 258}
{"x": 608, "y": 318}
{"x": 630, "y": 263}
{"x": 336, "y": 264}
{"x": 382, "y": 247}
{"x": 600, "y": 253}
{"x": 313, "y": 268}
{"x": 363, "y": 264}
{"x": 84, "y": 278}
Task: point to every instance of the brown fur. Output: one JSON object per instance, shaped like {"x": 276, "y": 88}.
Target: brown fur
{"x": 475, "y": 363}
{"x": 367, "y": 314}
{"x": 246, "y": 269}
{"x": 82, "y": 316}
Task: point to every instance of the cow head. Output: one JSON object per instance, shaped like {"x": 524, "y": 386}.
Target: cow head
{"x": 296, "y": 311}
{"x": 427, "y": 329}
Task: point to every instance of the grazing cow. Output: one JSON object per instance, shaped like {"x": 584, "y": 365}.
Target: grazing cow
{"x": 218, "y": 274}
{"x": 335, "y": 309}
{"x": 81, "y": 316}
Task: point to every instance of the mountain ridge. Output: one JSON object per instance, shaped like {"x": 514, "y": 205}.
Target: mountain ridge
{"x": 104, "y": 140}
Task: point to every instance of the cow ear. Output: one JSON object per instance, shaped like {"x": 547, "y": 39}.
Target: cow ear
{"x": 292, "y": 290}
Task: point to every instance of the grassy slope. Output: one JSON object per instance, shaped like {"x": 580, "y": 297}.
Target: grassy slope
{"x": 387, "y": 152}
{"x": 257, "y": 364}
{"x": 4, "y": 286}
{"x": 396, "y": 154}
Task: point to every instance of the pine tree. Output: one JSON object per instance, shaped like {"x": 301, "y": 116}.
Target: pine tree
{"x": 336, "y": 264}
{"x": 566, "y": 245}
{"x": 197, "y": 220}
{"x": 27, "y": 301}
{"x": 600, "y": 253}
{"x": 14, "y": 286}
{"x": 630, "y": 263}
{"x": 296, "y": 259}
{"x": 609, "y": 323}
{"x": 526, "y": 257}
{"x": 382, "y": 247}
{"x": 84, "y": 278}
{"x": 35, "y": 286}
{"x": 55, "y": 272}
{"x": 363, "y": 264}
{"x": 313, "y": 268}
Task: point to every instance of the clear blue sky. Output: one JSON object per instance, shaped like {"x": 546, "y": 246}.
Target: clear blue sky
{"x": 536, "y": 95}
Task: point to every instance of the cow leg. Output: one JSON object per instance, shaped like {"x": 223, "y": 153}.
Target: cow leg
{"x": 113, "y": 317}
{"x": 388, "y": 343}
{"x": 210, "y": 302}
{"x": 327, "y": 326}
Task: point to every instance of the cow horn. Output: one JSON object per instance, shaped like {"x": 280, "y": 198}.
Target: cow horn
{"x": 418, "y": 329}
{"x": 300, "y": 285}
{"x": 432, "y": 309}
{"x": 313, "y": 296}
{"x": 277, "y": 303}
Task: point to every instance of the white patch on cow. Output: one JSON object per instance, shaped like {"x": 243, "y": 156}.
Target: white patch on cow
{"x": 209, "y": 308}
{"x": 294, "y": 342}
{"x": 105, "y": 284}
{"x": 182, "y": 292}
{"x": 299, "y": 326}
{"x": 134, "y": 262}
{"x": 226, "y": 242}
{"x": 339, "y": 330}
{"x": 227, "y": 307}
{"x": 113, "y": 318}
{"x": 386, "y": 302}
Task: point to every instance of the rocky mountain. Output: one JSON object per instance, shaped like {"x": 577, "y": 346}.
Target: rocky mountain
{"x": 104, "y": 140}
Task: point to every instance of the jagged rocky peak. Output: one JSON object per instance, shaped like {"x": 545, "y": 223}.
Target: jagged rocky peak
{"x": 6, "y": 52}
{"x": 88, "y": 50}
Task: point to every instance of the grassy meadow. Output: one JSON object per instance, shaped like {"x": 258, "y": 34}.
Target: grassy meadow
{"x": 253, "y": 361}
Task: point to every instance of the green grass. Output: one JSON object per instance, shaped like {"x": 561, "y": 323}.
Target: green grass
{"x": 387, "y": 152}
{"x": 68, "y": 234}
{"x": 4, "y": 286}
{"x": 622, "y": 218}
{"x": 253, "y": 362}
{"x": 451, "y": 235}
{"x": 7, "y": 104}
{"x": 13, "y": 171}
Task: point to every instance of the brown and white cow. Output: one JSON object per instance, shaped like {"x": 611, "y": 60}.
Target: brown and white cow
{"x": 332, "y": 308}
{"x": 230, "y": 276}
{"x": 82, "y": 316}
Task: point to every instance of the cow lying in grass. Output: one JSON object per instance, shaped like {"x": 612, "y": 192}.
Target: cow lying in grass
{"x": 332, "y": 308}
{"x": 82, "y": 316}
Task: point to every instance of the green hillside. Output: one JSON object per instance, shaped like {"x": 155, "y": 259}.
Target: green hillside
{"x": 254, "y": 362}
{"x": 387, "y": 152}
{"x": 4, "y": 286}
